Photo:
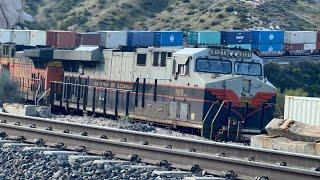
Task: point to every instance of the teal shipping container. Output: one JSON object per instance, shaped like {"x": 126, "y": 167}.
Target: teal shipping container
{"x": 240, "y": 46}
{"x": 204, "y": 38}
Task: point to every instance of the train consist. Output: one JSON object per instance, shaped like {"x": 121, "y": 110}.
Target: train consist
{"x": 262, "y": 42}
{"x": 218, "y": 91}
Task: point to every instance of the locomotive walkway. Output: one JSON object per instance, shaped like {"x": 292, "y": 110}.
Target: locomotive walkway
{"x": 215, "y": 158}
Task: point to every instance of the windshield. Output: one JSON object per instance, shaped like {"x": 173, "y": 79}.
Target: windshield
{"x": 214, "y": 66}
{"x": 247, "y": 68}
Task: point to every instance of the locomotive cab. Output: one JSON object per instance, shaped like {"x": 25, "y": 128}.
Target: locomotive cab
{"x": 236, "y": 95}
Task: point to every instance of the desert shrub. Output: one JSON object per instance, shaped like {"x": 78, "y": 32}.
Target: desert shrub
{"x": 9, "y": 89}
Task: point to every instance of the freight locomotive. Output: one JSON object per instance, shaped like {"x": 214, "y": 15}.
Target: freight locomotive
{"x": 218, "y": 91}
{"x": 222, "y": 92}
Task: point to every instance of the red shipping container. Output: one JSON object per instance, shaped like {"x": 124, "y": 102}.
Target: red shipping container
{"x": 93, "y": 39}
{"x": 318, "y": 45}
{"x": 294, "y": 47}
{"x": 62, "y": 39}
{"x": 318, "y": 37}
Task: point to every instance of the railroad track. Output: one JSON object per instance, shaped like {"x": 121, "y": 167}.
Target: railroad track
{"x": 85, "y": 165}
{"x": 215, "y": 158}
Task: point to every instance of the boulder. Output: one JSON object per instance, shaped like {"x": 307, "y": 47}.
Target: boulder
{"x": 17, "y": 109}
{"x": 12, "y": 13}
{"x": 27, "y": 110}
{"x": 285, "y": 144}
{"x": 293, "y": 130}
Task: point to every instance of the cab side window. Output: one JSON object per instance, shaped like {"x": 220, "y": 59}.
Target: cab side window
{"x": 155, "y": 59}
{"x": 159, "y": 59}
{"x": 163, "y": 60}
{"x": 141, "y": 59}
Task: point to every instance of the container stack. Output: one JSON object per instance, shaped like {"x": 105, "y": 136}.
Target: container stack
{"x": 300, "y": 42}
{"x": 204, "y": 38}
{"x": 29, "y": 37}
{"x": 62, "y": 39}
{"x": 168, "y": 38}
{"x": 140, "y": 39}
{"x": 237, "y": 39}
{"x": 154, "y": 39}
{"x": 88, "y": 38}
{"x": 268, "y": 43}
{"x": 113, "y": 39}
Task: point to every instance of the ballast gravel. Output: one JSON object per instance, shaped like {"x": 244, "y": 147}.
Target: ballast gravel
{"x": 124, "y": 124}
{"x": 18, "y": 164}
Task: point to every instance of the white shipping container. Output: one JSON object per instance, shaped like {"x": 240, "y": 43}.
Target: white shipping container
{"x": 5, "y": 35}
{"x": 113, "y": 39}
{"x": 310, "y": 47}
{"x": 300, "y": 37}
{"x": 38, "y": 38}
{"x": 302, "y": 109}
{"x": 21, "y": 37}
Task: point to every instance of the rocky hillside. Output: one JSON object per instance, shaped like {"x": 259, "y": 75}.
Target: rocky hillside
{"x": 173, "y": 14}
{"x": 12, "y": 14}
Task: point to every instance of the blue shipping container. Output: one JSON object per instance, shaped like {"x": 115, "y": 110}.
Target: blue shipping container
{"x": 268, "y": 48}
{"x": 168, "y": 38}
{"x": 140, "y": 38}
{"x": 267, "y": 37}
{"x": 236, "y": 37}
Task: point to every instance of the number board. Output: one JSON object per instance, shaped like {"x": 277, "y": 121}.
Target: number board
{"x": 230, "y": 53}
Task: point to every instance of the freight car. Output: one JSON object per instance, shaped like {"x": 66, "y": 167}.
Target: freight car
{"x": 220, "y": 92}
{"x": 262, "y": 42}
{"x": 33, "y": 75}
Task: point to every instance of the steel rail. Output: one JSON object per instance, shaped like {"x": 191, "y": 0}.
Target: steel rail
{"x": 201, "y": 146}
{"x": 211, "y": 163}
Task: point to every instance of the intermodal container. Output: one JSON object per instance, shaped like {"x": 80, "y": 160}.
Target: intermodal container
{"x": 267, "y": 37}
{"x": 38, "y": 38}
{"x": 318, "y": 46}
{"x": 240, "y": 46}
{"x": 114, "y": 39}
{"x": 236, "y": 37}
{"x": 318, "y": 37}
{"x": 168, "y": 38}
{"x": 294, "y": 47}
{"x": 21, "y": 37}
{"x": 268, "y": 48}
{"x": 89, "y": 38}
{"x": 140, "y": 38}
{"x": 5, "y": 35}
{"x": 300, "y": 37}
{"x": 204, "y": 38}
{"x": 299, "y": 49}
{"x": 62, "y": 39}
{"x": 302, "y": 109}
{"x": 309, "y": 47}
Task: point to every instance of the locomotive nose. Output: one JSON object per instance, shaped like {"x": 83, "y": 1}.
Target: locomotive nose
{"x": 243, "y": 89}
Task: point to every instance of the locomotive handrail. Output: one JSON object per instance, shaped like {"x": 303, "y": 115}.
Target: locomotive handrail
{"x": 215, "y": 117}
{"x": 37, "y": 91}
{"x": 43, "y": 95}
{"x": 205, "y": 118}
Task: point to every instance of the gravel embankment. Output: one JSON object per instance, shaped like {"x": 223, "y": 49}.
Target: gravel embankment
{"x": 124, "y": 124}
{"x": 16, "y": 163}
